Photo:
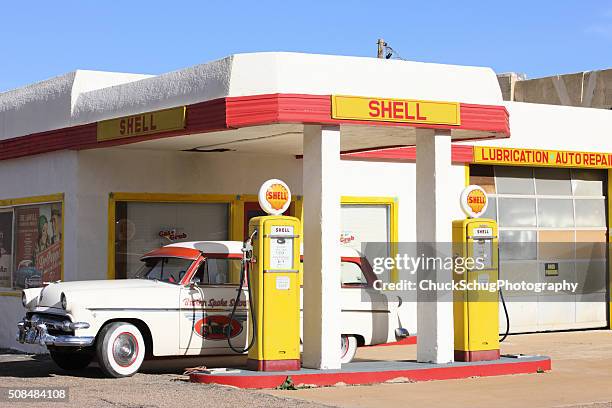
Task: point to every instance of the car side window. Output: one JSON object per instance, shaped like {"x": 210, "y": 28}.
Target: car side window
{"x": 352, "y": 275}
{"x": 198, "y": 276}
{"x": 214, "y": 271}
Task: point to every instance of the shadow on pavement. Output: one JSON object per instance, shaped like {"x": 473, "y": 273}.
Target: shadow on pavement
{"x": 41, "y": 366}
{"x": 178, "y": 365}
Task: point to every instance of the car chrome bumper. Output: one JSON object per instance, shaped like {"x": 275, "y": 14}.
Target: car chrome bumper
{"x": 35, "y": 332}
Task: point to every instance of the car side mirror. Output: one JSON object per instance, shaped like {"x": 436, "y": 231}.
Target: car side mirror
{"x": 194, "y": 285}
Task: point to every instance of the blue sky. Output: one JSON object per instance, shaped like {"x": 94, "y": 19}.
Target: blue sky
{"x": 42, "y": 39}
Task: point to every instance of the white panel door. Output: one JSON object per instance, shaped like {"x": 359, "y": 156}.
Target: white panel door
{"x": 364, "y": 224}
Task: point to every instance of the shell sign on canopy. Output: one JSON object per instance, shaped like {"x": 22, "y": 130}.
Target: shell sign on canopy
{"x": 395, "y": 110}
{"x": 142, "y": 124}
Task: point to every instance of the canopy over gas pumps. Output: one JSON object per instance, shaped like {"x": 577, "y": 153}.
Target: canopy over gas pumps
{"x": 313, "y": 106}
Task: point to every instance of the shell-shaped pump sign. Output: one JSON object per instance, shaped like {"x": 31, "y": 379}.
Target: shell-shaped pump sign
{"x": 274, "y": 197}
{"x": 474, "y": 201}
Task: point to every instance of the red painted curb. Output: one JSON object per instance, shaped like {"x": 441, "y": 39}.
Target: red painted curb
{"x": 375, "y": 377}
{"x": 403, "y": 342}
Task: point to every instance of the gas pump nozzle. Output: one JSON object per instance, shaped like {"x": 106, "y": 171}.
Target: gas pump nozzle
{"x": 247, "y": 248}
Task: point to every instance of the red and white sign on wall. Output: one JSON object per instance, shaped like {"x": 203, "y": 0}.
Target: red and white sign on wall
{"x": 38, "y": 244}
{"x": 6, "y": 248}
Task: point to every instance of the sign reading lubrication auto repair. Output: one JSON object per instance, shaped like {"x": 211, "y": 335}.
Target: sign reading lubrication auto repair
{"x": 544, "y": 158}
{"x": 142, "y": 124}
{"x": 395, "y": 110}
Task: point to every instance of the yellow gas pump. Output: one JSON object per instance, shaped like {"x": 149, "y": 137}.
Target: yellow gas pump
{"x": 272, "y": 257}
{"x": 275, "y": 289}
{"x": 475, "y": 306}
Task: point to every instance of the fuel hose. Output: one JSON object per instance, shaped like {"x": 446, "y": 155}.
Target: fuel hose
{"x": 501, "y": 295}
{"x": 244, "y": 271}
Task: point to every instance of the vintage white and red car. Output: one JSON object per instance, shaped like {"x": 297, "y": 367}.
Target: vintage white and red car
{"x": 180, "y": 305}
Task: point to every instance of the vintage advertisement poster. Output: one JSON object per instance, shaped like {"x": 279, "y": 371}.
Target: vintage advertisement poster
{"x": 6, "y": 247}
{"x": 38, "y": 245}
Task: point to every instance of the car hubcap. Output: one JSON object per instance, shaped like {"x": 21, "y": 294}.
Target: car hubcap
{"x": 125, "y": 349}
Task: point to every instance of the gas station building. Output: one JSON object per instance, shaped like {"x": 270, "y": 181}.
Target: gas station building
{"x": 110, "y": 165}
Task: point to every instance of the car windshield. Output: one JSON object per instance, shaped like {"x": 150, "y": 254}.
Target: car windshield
{"x": 169, "y": 270}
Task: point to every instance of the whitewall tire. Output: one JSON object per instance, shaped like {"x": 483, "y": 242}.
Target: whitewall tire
{"x": 120, "y": 349}
{"x": 348, "y": 348}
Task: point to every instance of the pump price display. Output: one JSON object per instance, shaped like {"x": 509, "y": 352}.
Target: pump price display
{"x": 281, "y": 248}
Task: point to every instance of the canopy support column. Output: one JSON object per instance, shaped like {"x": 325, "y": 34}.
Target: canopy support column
{"x": 434, "y": 210}
{"x": 321, "y": 185}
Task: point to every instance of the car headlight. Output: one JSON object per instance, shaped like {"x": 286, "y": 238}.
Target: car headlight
{"x": 24, "y": 299}
{"x": 64, "y": 302}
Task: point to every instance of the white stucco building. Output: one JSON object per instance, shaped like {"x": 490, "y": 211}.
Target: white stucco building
{"x": 95, "y": 165}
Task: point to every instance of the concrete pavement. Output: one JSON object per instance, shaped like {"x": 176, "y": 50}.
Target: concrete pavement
{"x": 581, "y": 376}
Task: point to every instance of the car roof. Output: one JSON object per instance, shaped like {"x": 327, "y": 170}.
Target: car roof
{"x": 210, "y": 247}
{"x": 173, "y": 252}
{"x": 235, "y": 247}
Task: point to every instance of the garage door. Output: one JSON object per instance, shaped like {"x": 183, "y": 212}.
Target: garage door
{"x": 553, "y": 227}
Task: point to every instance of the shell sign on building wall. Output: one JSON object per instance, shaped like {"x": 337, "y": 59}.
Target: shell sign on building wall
{"x": 474, "y": 201}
